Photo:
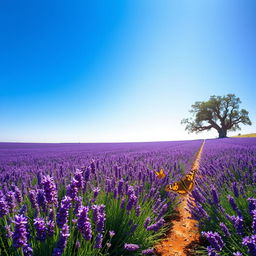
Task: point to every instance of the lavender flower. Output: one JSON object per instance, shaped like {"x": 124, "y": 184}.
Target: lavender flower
{"x": 131, "y": 202}
{"x": 252, "y": 204}
{"x": 62, "y": 215}
{"x": 41, "y": 200}
{"x": 79, "y": 179}
{"x": 155, "y": 227}
{"x": 72, "y": 189}
{"x": 237, "y": 254}
{"x": 9, "y": 233}
{"x": 87, "y": 173}
{"x": 27, "y": 250}
{"x": 122, "y": 203}
{"x": 23, "y": 209}
{"x": 225, "y": 229}
{"x": 238, "y": 224}
{"x": 198, "y": 196}
{"x": 215, "y": 196}
{"x": 250, "y": 242}
{"x": 61, "y": 245}
{"x": 233, "y": 205}
{"x": 138, "y": 210}
{"x": 50, "y": 190}
{"x": 18, "y": 194}
{"x": 98, "y": 241}
{"x": 235, "y": 189}
{"x": 253, "y": 221}
{"x": 120, "y": 187}
{"x": 211, "y": 251}
{"x": 214, "y": 239}
{"x": 50, "y": 223}
{"x": 83, "y": 223}
{"x": 20, "y": 234}
{"x": 3, "y": 207}
{"x": 99, "y": 216}
{"x": 78, "y": 204}
{"x": 149, "y": 251}
{"x": 32, "y": 198}
{"x": 40, "y": 229}
{"x": 10, "y": 200}
{"x": 96, "y": 191}
{"x": 131, "y": 247}
{"x": 147, "y": 221}
{"x": 111, "y": 233}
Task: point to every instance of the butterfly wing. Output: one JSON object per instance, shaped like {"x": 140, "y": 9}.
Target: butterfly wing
{"x": 177, "y": 187}
{"x": 183, "y": 186}
{"x": 160, "y": 174}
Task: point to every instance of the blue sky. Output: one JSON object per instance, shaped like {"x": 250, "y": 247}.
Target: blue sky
{"x": 103, "y": 71}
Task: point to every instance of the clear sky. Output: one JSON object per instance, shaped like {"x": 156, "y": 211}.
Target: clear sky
{"x": 105, "y": 71}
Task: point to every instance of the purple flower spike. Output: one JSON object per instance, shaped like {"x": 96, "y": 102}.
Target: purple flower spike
{"x": 18, "y": 194}
{"x": 72, "y": 190}
{"x": 79, "y": 179}
{"x": 3, "y": 207}
{"x": 83, "y": 223}
{"x": 214, "y": 239}
{"x": 155, "y": 227}
{"x": 50, "y": 190}
{"x": 147, "y": 221}
{"x": 252, "y": 204}
{"x": 233, "y": 205}
{"x": 50, "y": 223}
{"x": 27, "y": 250}
{"x": 40, "y": 229}
{"x": 225, "y": 229}
{"x": 254, "y": 222}
{"x": 215, "y": 196}
{"x": 211, "y": 251}
{"x": 32, "y": 198}
{"x": 61, "y": 245}
{"x": 238, "y": 223}
{"x": 20, "y": 235}
{"x": 148, "y": 252}
{"x": 235, "y": 189}
{"x": 132, "y": 201}
{"x": 10, "y": 199}
{"x": 250, "y": 242}
{"x": 120, "y": 187}
{"x": 138, "y": 210}
{"x": 41, "y": 200}
{"x": 62, "y": 215}
{"x": 98, "y": 241}
{"x": 99, "y": 216}
{"x": 131, "y": 247}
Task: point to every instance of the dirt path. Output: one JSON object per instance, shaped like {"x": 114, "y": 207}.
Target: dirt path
{"x": 184, "y": 231}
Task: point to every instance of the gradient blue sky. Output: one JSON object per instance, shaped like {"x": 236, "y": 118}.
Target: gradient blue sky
{"x": 103, "y": 71}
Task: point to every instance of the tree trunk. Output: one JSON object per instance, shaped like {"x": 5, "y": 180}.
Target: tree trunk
{"x": 222, "y": 133}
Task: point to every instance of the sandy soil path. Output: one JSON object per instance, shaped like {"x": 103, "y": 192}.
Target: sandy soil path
{"x": 184, "y": 231}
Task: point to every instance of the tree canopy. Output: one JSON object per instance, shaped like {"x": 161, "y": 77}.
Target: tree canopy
{"x": 219, "y": 112}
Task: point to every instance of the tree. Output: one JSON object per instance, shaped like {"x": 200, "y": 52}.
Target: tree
{"x": 219, "y": 112}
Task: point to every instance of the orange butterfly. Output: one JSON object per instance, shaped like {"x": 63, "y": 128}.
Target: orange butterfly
{"x": 184, "y": 186}
{"x": 160, "y": 174}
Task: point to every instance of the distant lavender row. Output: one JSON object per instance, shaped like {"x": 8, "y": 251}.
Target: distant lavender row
{"x": 225, "y": 196}
{"x": 20, "y": 163}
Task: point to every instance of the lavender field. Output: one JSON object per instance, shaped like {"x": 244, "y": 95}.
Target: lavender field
{"x": 105, "y": 199}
